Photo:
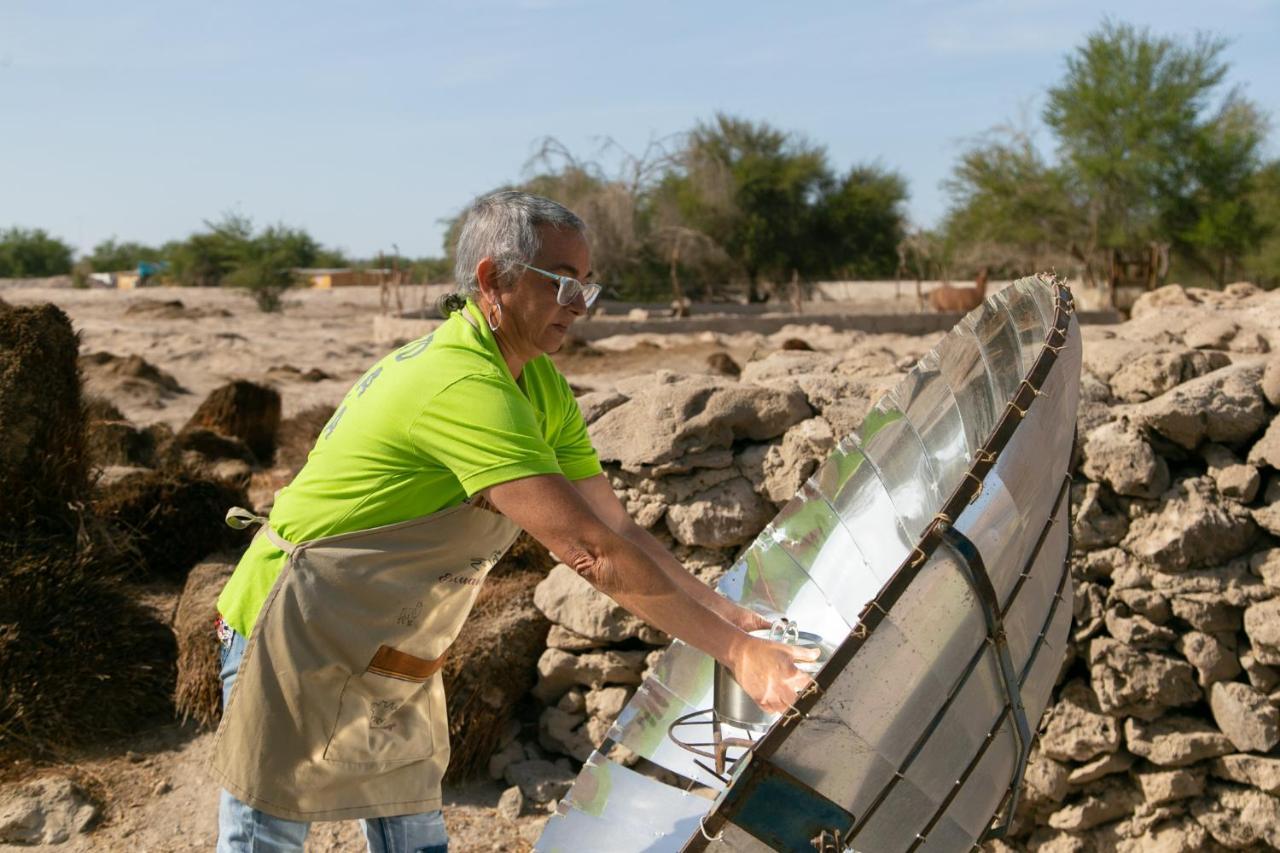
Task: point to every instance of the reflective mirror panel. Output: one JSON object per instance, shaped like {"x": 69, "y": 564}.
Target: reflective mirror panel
{"x": 899, "y": 457}
{"x": 960, "y": 358}
{"x": 869, "y": 514}
{"x": 926, "y": 399}
{"x": 993, "y": 327}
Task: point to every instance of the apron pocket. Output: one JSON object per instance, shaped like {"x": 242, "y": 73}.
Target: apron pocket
{"x": 385, "y": 713}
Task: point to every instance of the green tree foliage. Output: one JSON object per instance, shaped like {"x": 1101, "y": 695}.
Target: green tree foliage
{"x": 1011, "y": 211}
{"x": 113, "y": 256}
{"x": 731, "y": 199}
{"x": 1262, "y": 264}
{"x": 1151, "y": 150}
{"x": 32, "y": 253}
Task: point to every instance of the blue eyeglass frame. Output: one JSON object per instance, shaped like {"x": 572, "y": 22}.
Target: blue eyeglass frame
{"x": 569, "y": 287}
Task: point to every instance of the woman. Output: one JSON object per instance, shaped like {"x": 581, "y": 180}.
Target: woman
{"x": 336, "y": 621}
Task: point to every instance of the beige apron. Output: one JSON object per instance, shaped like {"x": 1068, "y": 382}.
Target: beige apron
{"x": 338, "y": 710}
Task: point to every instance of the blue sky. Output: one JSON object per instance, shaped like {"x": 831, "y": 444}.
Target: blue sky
{"x": 367, "y": 123}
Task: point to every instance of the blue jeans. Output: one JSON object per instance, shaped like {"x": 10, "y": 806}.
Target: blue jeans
{"x": 242, "y": 829}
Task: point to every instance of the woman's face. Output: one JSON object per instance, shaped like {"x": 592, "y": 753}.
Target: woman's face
{"x": 532, "y": 321}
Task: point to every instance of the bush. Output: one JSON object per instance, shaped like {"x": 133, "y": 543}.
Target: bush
{"x": 32, "y": 254}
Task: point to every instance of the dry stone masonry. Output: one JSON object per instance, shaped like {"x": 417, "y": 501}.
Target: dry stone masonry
{"x": 1163, "y": 732}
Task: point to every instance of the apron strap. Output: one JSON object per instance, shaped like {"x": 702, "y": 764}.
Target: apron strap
{"x": 241, "y": 519}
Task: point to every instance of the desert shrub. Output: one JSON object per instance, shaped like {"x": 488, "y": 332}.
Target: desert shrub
{"x": 80, "y": 659}
{"x": 43, "y": 472}
{"x": 298, "y": 434}
{"x": 198, "y": 695}
{"x": 492, "y": 666}
{"x": 242, "y": 410}
{"x": 170, "y": 520}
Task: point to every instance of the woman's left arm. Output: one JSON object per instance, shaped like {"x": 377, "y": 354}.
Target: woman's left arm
{"x": 597, "y": 492}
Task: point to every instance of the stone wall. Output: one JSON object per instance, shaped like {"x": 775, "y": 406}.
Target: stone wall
{"x": 1163, "y": 731}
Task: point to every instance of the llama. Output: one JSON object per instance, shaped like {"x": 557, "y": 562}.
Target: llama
{"x": 961, "y": 299}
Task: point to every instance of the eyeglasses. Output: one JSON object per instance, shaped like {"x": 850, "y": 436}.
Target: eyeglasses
{"x": 569, "y": 287}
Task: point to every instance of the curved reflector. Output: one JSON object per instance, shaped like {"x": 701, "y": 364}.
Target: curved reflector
{"x": 931, "y": 549}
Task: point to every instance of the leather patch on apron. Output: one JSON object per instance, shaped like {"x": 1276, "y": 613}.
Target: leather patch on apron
{"x": 394, "y": 663}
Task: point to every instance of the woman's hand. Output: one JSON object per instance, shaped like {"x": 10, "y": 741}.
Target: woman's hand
{"x": 748, "y": 620}
{"x": 767, "y": 672}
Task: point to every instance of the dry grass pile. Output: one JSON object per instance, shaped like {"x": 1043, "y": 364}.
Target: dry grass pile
{"x": 298, "y": 434}
{"x": 491, "y": 667}
{"x": 242, "y": 410}
{"x": 198, "y": 695}
{"x": 79, "y": 658}
{"x": 43, "y": 472}
{"x": 171, "y": 519}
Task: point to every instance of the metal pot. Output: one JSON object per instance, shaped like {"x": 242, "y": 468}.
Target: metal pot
{"x": 734, "y": 706}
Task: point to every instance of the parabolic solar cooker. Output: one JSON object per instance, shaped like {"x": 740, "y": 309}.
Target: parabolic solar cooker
{"x": 928, "y": 558}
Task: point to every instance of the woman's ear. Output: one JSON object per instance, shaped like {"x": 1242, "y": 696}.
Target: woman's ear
{"x": 488, "y": 279}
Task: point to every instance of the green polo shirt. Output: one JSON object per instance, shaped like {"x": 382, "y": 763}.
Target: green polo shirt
{"x": 425, "y": 428}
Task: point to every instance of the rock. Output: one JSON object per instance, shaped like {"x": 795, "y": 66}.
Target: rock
{"x": 1161, "y": 785}
{"x": 1271, "y": 381}
{"x": 1245, "y": 716}
{"x": 1151, "y": 374}
{"x": 1103, "y": 765}
{"x": 1174, "y": 740}
{"x": 726, "y": 515}
{"x": 1239, "y": 817}
{"x": 511, "y": 803}
{"x": 1260, "y": 675}
{"x": 540, "y": 780}
{"x": 1179, "y": 835}
{"x": 1045, "y": 780}
{"x": 778, "y": 470}
{"x": 594, "y": 404}
{"x": 1076, "y": 730}
{"x": 49, "y": 810}
{"x": 1235, "y": 583}
{"x": 607, "y": 703}
{"x": 1266, "y": 565}
{"x": 1149, "y": 603}
{"x": 1136, "y": 630}
{"x": 1089, "y": 605}
{"x": 1211, "y": 333}
{"x": 722, "y": 363}
{"x": 1129, "y": 682}
{"x": 556, "y": 733}
{"x": 1159, "y": 301}
{"x": 1117, "y": 455}
{"x": 573, "y": 702}
{"x": 568, "y": 600}
{"x": 1111, "y": 799}
{"x": 1266, "y": 450}
{"x": 671, "y": 416}
{"x": 1268, "y": 517}
{"x": 1192, "y": 527}
{"x": 559, "y": 670}
{"x": 1238, "y": 482}
{"x": 1224, "y": 406}
{"x": 503, "y": 758}
{"x": 1097, "y": 523}
{"x": 1262, "y": 624}
{"x": 560, "y": 637}
{"x": 1206, "y": 611}
{"x": 1256, "y": 771}
{"x": 1213, "y": 659}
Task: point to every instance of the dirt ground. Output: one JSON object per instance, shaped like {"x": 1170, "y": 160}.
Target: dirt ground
{"x": 152, "y": 788}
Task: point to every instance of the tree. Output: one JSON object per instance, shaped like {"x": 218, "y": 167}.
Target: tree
{"x": 111, "y": 256}
{"x": 1141, "y": 146}
{"x": 858, "y": 224}
{"x": 1262, "y": 264}
{"x": 32, "y": 253}
{"x": 1010, "y": 210}
{"x": 753, "y": 190}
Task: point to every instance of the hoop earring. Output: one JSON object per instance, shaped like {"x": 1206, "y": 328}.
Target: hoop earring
{"x": 494, "y": 324}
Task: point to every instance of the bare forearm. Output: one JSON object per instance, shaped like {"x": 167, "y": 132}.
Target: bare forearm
{"x": 687, "y": 583}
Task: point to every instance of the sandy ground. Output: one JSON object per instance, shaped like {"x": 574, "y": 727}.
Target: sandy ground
{"x": 154, "y": 794}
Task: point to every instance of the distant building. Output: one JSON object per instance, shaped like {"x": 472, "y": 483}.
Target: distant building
{"x": 343, "y": 277}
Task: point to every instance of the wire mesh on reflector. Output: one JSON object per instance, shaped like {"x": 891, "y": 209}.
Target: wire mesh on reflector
{"x": 931, "y": 548}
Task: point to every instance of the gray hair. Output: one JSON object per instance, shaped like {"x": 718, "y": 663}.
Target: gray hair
{"x": 503, "y": 226}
